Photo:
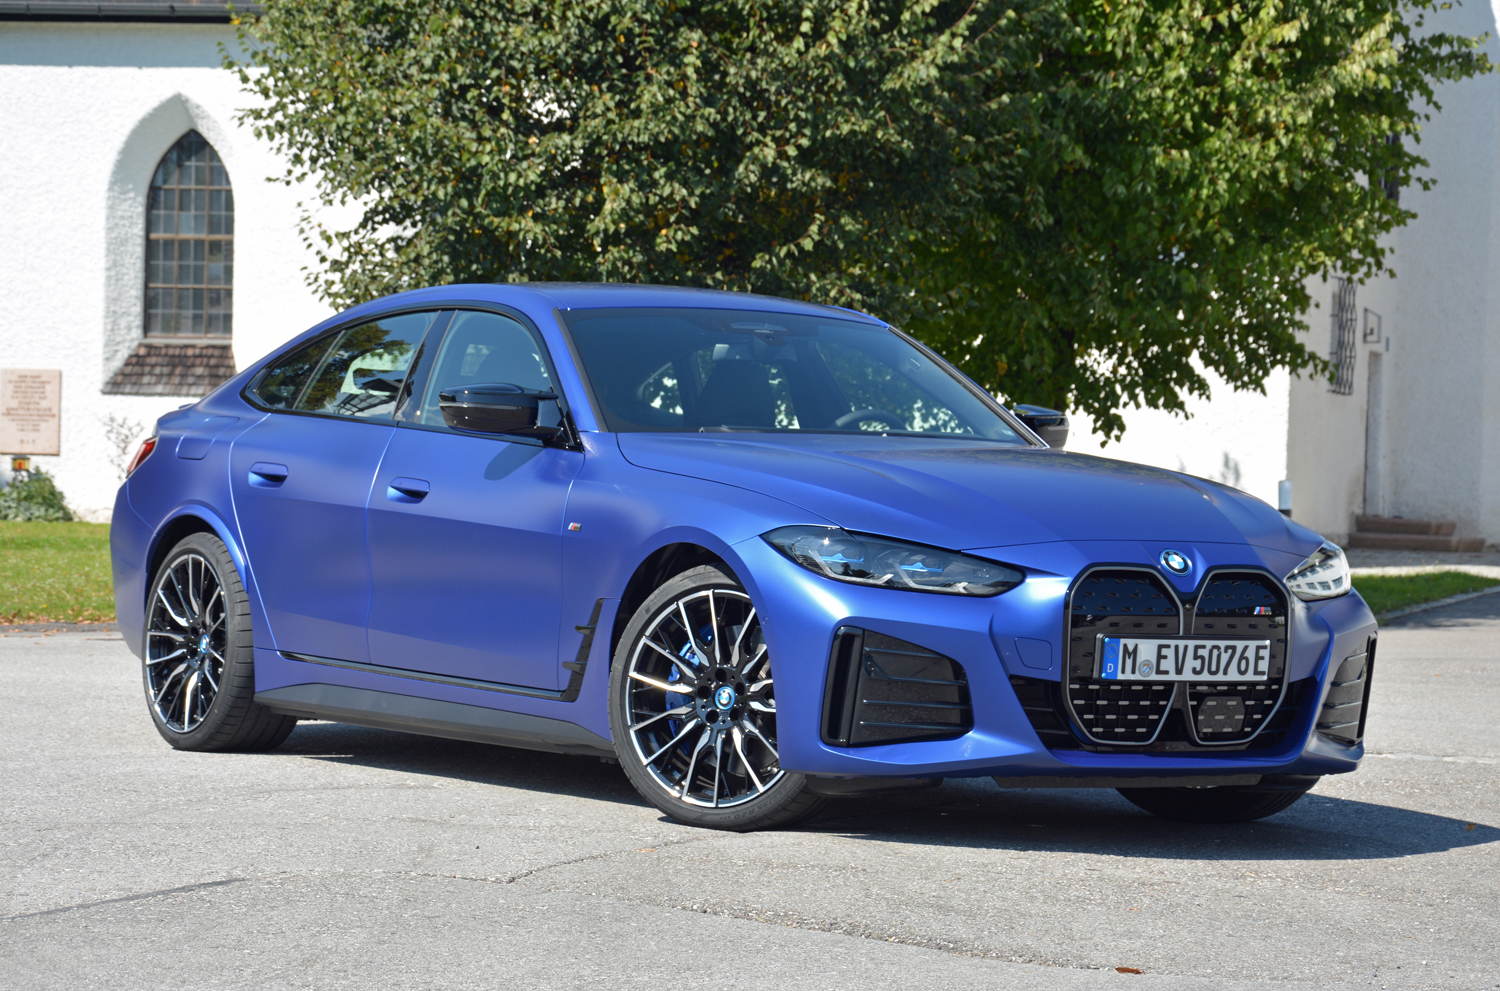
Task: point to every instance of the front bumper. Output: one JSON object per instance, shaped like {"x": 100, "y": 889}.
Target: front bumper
{"x": 803, "y": 612}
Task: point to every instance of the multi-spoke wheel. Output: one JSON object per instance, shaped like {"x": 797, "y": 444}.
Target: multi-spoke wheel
{"x": 198, "y": 658}
{"x": 693, "y": 708}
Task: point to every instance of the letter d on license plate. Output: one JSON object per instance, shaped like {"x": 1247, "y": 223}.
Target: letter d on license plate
{"x": 1183, "y": 659}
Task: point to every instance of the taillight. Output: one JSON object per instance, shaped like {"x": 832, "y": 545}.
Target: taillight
{"x": 147, "y": 446}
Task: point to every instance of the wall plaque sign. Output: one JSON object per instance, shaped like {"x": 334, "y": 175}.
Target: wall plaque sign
{"x": 30, "y": 410}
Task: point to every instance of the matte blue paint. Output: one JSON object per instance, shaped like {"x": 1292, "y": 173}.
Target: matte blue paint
{"x": 466, "y": 580}
{"x": 196, "y": 442}
{"x": 452, "y": 554}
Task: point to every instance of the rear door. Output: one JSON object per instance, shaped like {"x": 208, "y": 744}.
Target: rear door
{"x": 301, "y": 479}
{"x": 466, "y": 529}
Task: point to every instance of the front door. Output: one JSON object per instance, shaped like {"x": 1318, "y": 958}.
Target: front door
{"x": 466, "y": 529}
{"x": 301, "y": 481}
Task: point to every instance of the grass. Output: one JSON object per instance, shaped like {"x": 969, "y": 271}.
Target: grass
{"x": 55, "y": 573}
{"x": 1387, "y": 593}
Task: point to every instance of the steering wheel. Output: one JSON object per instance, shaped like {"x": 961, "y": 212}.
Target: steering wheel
{"x": 861, "y": 415}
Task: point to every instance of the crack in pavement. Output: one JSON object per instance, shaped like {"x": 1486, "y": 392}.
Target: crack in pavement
{"x": 512, "y": 879}
{"x": 126, "y": 898}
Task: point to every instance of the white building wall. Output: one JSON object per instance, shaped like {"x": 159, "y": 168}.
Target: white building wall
{"x": 1238, "y": 438}
{"x": 1327, "y": 436}
{"x": 1429, "y": 448}
{"x": 87, "y": 112}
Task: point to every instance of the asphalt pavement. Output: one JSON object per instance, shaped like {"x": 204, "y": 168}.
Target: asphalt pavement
{"x": 355, "y": 858}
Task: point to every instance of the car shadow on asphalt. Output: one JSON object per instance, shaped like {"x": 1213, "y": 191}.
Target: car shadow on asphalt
{"x": 972, "y": 813}
{"x": 964, "y": 812}
{"x": 480, "y": 763}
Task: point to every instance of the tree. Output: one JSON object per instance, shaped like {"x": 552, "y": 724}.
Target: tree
{"x": 761, "y": 145}
{"x": 1074, "y": 200}
{"x": 1157, "y": 180}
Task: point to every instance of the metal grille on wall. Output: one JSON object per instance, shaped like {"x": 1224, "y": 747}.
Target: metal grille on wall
{"x": 1343, "y": 333}
{"x": 190, "y": 244}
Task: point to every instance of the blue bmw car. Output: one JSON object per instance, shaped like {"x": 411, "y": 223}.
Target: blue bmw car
{"x": 759, "y": 551}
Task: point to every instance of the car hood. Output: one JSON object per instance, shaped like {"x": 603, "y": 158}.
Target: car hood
{"x": 966, "y": 495}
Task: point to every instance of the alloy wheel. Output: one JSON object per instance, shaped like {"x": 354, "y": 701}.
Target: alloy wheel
{"x": 701, "y": 701}
{"x": 185, "y": 643}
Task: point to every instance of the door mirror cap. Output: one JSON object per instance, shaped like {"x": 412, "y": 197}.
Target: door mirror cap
{"x": 496, "y": 408}
{"x": 1049, "y": 424}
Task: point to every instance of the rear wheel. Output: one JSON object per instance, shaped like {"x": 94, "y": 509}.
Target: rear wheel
{"x": 693, "y": 709}
{"x": 1231, "y": 803}
{"x": 198, "y": 658}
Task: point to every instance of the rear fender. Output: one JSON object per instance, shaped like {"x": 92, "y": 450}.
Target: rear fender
{"x": 217, "y": 524}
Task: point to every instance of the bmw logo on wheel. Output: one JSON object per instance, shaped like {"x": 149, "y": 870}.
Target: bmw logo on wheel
{"x": 1175, "y": 562}
{"x": 724, "y": 697}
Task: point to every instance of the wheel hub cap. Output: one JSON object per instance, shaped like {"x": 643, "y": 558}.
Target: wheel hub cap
{"x": 724, "y": 698}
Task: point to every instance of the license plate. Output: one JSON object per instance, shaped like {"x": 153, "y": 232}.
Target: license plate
{"x": 1183, "y": 659}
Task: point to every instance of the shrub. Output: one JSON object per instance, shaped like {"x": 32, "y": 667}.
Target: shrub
{"x": 34, "y": 498}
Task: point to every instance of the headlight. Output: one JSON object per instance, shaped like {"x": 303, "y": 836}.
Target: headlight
{"x": 863, "y": 560}
{"x": 1324, "y": 575}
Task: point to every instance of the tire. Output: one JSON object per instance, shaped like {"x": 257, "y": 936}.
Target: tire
{"x": 198, "y": 658}
{"x": 706, "y": 755}
{"x": 1230, "y": 803}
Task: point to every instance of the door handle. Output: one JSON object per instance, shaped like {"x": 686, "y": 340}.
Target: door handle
{"x": 407, "y": 490}
{"x": 266, "y": 475}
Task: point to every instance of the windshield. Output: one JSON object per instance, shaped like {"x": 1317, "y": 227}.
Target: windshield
{"x": 708, "y": 370}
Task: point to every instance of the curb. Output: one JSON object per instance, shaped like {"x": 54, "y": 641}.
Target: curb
{"x": 1384, "y": 618}
{"x": 1478, "y": 570}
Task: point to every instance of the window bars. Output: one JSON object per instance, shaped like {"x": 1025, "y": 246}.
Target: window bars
{"x": 190, "y": 244}
{"x": 1343, "y": 331}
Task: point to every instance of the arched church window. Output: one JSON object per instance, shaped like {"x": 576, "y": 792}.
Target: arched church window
{"x": 190, "y": 244}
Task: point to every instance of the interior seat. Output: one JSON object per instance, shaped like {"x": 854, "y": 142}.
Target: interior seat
{"x": 737, "y": 394}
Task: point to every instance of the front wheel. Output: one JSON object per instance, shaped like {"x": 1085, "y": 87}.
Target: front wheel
{"x": 693, "y": 709}
{"x": 1227, "y": 803}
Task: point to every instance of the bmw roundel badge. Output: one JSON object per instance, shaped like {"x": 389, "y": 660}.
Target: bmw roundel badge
{"x": 724, "y": 697}
{"x": 1175, "y": 562}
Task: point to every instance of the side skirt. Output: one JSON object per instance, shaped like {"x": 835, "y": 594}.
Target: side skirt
{"x": 429, "y": 717}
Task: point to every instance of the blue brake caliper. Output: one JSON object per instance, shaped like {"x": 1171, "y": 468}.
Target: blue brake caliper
{"x": 674, "y": 699}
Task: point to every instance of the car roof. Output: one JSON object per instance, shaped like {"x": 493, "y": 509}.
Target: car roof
{"x": 609, "y": 295}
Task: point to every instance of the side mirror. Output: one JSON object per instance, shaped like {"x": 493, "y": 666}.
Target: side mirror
{"x": 1049, "y": 424}
{"x": 496, "y": 408}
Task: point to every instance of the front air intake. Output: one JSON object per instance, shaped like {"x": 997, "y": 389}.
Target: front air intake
{"x": 1342, "y": 718}
{"x": 884, "y": 690}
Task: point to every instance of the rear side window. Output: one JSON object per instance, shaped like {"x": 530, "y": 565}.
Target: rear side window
{"x": 364, "y": 374}
{"x": 282, "y": 382}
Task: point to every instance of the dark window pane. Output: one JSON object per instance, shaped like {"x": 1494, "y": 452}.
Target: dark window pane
{"x": 279, "y": 384}
{"x": 687, "y": 370}
{"x": 365, "y": 372}
{"x": 483, "y": 348}
{"x": 190, "y": 220}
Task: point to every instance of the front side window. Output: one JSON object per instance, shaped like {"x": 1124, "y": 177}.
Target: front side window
{"x": 190, "y": 244}
{"x": 485, "y": 349}
{"x": 700, "y": 370}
